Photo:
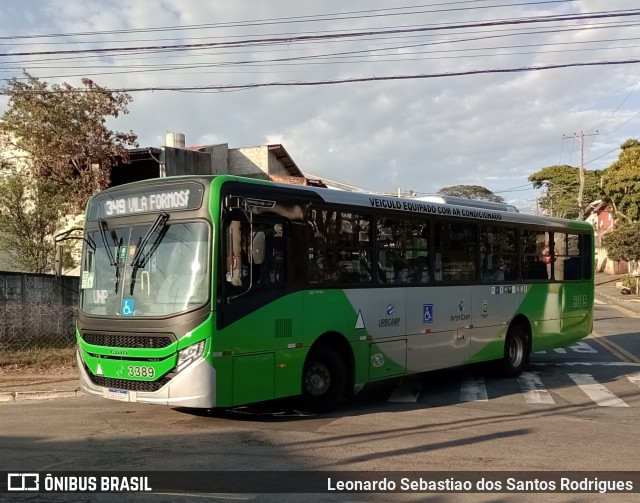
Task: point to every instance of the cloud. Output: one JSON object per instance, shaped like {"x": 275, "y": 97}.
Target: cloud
{"x": 492, "y": 130}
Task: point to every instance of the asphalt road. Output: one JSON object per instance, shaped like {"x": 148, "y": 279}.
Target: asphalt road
{"x": 574, "y": 409}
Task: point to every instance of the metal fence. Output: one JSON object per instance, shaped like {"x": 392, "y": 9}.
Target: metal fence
{"x": 31, "y": 325}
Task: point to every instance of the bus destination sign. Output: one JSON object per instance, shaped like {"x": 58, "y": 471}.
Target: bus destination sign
{"x": 178, "y": 197}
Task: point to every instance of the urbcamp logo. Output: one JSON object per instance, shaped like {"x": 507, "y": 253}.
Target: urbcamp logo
{"x": 389, "y": 322}
{"x": 461, "y": 305}
{"x": 377, "y": 360}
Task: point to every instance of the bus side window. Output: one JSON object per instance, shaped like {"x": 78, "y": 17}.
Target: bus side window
{"x": 535, "y": 254}
{"x": 340, "y": 247}
{"x": 455, "y": 247}
{"x": 255, "y": 258}
{"x": 271, "y": 270}
{"x": 567, "y": 261}
{"x": 402, "y": 248}
{"x": 498, "y": 252}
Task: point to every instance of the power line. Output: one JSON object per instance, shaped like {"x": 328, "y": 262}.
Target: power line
{"x": 362, "y": 14}
{"x": 512, "y": 32}
{"x": 230, "y": 87}
{"x": 619, "y": 106}
{"x": 325, "y": 59}
{"x": 353, "y": 34}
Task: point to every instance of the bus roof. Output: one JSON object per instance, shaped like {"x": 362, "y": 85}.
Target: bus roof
{"x": 447, "y": 206}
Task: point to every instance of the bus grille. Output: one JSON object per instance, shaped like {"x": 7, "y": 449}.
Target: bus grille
{"x": 148, "y": 386}
{"x": 127, "y": 341}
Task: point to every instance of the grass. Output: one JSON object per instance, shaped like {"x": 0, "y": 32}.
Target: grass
{"x": 37, "y": 361}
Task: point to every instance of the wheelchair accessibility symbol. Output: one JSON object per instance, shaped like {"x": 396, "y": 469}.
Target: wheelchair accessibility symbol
{"x": 127, "y": 307}
{"x": 428, "y": 313}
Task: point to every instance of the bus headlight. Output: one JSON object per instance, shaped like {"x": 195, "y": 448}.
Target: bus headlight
{"x": 189, "y": 354}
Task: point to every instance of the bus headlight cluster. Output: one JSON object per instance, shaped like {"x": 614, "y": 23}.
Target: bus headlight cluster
{"x": 190, "y": 354}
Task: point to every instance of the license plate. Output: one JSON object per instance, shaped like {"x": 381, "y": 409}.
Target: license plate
{"x": 118, "y": 394}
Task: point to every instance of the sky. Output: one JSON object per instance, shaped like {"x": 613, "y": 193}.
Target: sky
{"x": 437, "y": 93}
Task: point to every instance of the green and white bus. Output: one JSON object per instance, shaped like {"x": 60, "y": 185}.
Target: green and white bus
{"x": 218, "y": 291}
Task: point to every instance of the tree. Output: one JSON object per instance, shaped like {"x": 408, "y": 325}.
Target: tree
{"x": 63, "y": 130}
{"x": 623, "y": 242}
{"x": 562, "y": 183}
{"x": 621, "y": 182}
{"x": 471, "y": 192}
{"x": 68, "y": 151}
{"x": 29, "y": 216}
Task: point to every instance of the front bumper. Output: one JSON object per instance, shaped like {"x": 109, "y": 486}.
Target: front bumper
{"x": 194, "y": 387}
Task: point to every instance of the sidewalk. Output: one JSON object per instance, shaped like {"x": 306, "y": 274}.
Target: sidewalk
{"x": 16, "y": 387}
{"x": 607, "y": 290}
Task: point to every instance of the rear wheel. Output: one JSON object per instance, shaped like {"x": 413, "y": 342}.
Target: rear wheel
{"x": 516, "y": 351}
{"x": 324, "y": 380}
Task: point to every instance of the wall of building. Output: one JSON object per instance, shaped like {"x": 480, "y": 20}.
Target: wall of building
{"x": 249, "y": 161}
{"x": 219, "y": 155}
{"x": 179, "y": 161}
{"x": 12, "y": 156}
{"x": 276, "y": 167}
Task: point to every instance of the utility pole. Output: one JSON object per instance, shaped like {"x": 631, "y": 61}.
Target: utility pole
{"x": 582, "y": 177}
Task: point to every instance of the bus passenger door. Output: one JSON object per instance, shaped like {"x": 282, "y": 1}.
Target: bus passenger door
{"x": 257, "y": 320}
{"x": 493, "y": 309}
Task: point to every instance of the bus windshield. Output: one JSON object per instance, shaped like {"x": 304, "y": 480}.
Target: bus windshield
{"x": 145, "y": 270}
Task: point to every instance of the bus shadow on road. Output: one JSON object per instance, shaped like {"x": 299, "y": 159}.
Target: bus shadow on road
{"x": 370, "y": 400}
{"x": 454, "y": 387}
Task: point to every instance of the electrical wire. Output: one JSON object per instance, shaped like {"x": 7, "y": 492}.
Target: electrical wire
{"x": 349, "y": 15}
{"x": 353, "y": 34}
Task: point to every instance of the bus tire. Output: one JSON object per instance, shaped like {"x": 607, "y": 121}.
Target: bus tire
{"x": 324, "y": 380}
{"x": 516, "y": 351}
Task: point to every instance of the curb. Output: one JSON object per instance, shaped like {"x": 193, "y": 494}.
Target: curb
{"x": 25, "y": 396}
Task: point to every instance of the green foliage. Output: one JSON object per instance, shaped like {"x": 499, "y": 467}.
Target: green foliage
{"x": 63, "y": 130}
{"x": 630, "y": 282}
{"x": 621, "y": 182}
{"x": 476, "y": 192}
{"x": 623, "y": 242}
{"x": 63, "y": 154}
{"x": 29, "y": 217}
{"x": 563, "y": 183}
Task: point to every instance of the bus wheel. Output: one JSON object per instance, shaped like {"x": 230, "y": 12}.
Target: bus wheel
{"x": 324, "y": 380}
{"x": 515, "y": 351}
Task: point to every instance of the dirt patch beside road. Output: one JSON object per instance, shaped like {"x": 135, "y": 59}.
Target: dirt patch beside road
{"x": 38, "y": 362}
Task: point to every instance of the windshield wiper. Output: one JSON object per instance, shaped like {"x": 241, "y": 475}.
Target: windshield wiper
{"x": 140, "y": 259}
{"x": 114, "y": 261}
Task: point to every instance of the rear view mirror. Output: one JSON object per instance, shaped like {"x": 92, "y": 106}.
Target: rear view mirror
{"x": 257, "y": 247}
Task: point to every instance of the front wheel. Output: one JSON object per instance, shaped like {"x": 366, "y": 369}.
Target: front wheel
{"x": 516, "y": 351}
{"x": 324, "y": 380}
